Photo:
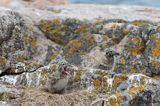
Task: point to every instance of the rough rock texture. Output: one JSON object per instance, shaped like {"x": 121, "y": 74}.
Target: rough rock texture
{"x": 68, "y": 61}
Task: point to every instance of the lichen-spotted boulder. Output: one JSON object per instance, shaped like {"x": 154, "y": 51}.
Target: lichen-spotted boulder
{"x": 22, "y": 46}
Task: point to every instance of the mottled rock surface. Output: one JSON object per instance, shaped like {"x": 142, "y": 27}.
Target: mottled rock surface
{"x": 52, "y": 57}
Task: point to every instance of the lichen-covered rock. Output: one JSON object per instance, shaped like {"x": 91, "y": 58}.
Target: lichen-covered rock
{"x": 36, "y": 78}
{"x": 62, "y": 31}
{"x": 140, "y": 90}
{"x": 22, "y": 46}
{"x": 107, "y": 58}
{"x": 78, "y": 47}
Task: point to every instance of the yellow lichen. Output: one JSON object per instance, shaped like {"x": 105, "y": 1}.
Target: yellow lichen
{"x": 139, "y": 23}
{"x": 112, "y": 102}
{"x": 82, "y": 29}
{"x": 97, "y": 83}
{"x": 105, "y": 40}
{"x": 71, "y": 50}
{"x": 53, "y": 68}
{"x": 136, "y": 40}
{"x": 53, "y": 56}
{"x": 138, "y": 46}
{"x": 132, "y": 69}
{"x": 19, "y": 59}
{"x": 155, "y": 63}
{"x": 75, "y": 45}
{"x": 53, "y": 30}
{"x": 89, "y": 39}
{"x": 3, "y": 61}
{"x": 135, "y": 89}
{"x": 115, "y": 99}
{"x": 136, "y": 50}
{"x": 122, "y": 61}
{"x": 156, "y": 50}
{"x": 118, "y": 79}
{"x": 119, "y": 98}
{"x": 33, "y": 42}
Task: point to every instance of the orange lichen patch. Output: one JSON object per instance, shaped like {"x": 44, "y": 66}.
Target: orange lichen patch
{"x": 97, "y": 83}
{"x": 156, "y": 50}
{"x": 3, "y": 60}
{"x": 119, "y": 98}
{"x": 118, "y": 79}
{"x": 136, "y": 50}
{"x": 135, "y": 89}
{"x": 133, "y": 102}
{"x": 112, "y": 102}
{"x": 138, "y": 46}
{"x": 115, "y": 99}
{"x": 71, "y": 50}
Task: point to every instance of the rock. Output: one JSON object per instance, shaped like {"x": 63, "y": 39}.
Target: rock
{"x": 36, "y": 78}
{"x": 20, "y": 49}
{"x": 122, "y": 86}
{"x": 50, "y": 51}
